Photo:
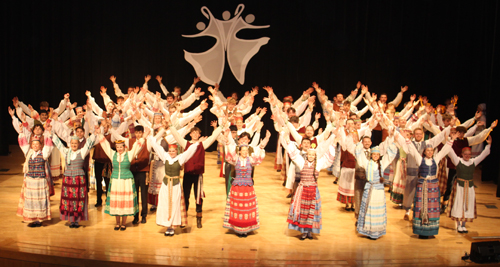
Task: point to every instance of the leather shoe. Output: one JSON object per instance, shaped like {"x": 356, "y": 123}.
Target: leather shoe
{"x": 116, "y": 228}
{"x": 289, "y": 195}
{"x": 97, "y": 205}
{"x": 406, "y": 218}
{"x": 136, "y": 220}
{"x": 143, "y": 220}
{"x": 198, "y": 222}
{"x": 123, "y": 228}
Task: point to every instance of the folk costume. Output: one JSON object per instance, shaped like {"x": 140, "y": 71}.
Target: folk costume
{"x": 34, "y": 203}
{"x": 305, "y": 209}
{"x": 74, "y": 195}
{"x": 426, "y": 203}
{"x": 242, "y": 212}
{"x": 171, "y": 210}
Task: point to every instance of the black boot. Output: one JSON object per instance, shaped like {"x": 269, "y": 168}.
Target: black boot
{"x": 198, "y": 220}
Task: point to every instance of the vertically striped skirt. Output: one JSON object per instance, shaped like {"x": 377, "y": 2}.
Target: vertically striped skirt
{"x": 305, "y": 210}
{"x": 242, "y": 211}
{"x": 156, "y": 182}
{"x": 122, "y": 198}
{"x": 433, "y": 209}
{"x": 346, "y": 186}
{"x": 34, "y": 203}
{"x": 399, "y": 183}
{"x": 372, "y": 220}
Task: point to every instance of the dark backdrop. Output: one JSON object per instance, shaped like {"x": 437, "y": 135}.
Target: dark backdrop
{"x": 436, "y": 48}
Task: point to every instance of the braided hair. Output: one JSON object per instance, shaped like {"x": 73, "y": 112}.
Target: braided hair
{"x": 380, "y": 170}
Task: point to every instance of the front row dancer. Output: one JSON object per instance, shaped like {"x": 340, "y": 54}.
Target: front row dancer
{"x": 121, "y": 200}
{"x": 34, "y": 202}
{"x": 74, "y": 199}
{"x": 426, "y": 204}
{"x": 462, "y": 207}
{"x": 171, "y": 210}
{"x": 372, "y": 218}
{"x": 305, "y": 208}
{"x": 242, "y": 211}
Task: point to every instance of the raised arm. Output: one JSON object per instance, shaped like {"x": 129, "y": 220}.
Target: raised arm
{"x": 484, "y": 153}
{"x": 57, "y": 143}
{"x": 160, "y": 152}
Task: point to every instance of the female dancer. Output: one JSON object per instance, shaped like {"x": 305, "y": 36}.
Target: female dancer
{"x": 74, "y": 198}
{"x": 463, "y": 197}
{"x": 171, "y": 211}
{"x": 305, "y": 209}
{"x": 372, "y": 219}
{"x": 426, "y": 204}
{"x": 121, "y": 200}
{"x": 34, "y": 203}
{"x": 242, "y": 212}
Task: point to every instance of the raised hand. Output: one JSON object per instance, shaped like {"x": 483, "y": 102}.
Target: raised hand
{"x": 489, "y": 140}
{"x": 11, "y": 112}
{"x": 66, "y": 96}
{"x": 308, "y": 91}
{"x": 315, "y": 86}
{"x": 30, "y": 107}
{"x": 317, "y": 116}
{"x": 198, "y": 118}
{"x": 478, "y": 115}
{"x": 202, "y": 139}
{"x": 255, "y": 90}
{"x": 15, "y": 102}
{"x": 196, "y": 80}
{"x": 204, "y": 104}
{"x": 159, "y": 78}
{"x": 113, "y": 78}
{"x": 213, "y": 124}
{"x": 263, "y": 112}
{"x": 87, "y": 93}
{"x": 103, "y": 90}
{"x": 198, "y": 92}
{"x": 413, "y": 97}
{"x": 364, "y": 89}
{"x": 404, "y": 88}
{"x": 258, "y": 110}
{"x": 494, "y": 124}
{"x": 425, "y": 100}
{"x": 147, "y": 78}
{"x": 216, "y": 86}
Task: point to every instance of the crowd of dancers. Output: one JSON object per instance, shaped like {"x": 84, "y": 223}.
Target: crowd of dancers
{"x": 136, "y": 147}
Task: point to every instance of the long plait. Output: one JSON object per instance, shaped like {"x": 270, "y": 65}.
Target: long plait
{"x": 314, "y": 170}
{"x": 380, "y": 169}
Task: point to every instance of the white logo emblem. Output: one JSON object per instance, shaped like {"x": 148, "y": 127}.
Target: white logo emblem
{"x": 209, "y": 65}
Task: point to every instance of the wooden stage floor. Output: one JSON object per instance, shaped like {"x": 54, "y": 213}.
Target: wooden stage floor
{"x": 273, "y": 244}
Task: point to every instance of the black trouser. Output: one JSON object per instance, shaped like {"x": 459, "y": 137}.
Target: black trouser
{"x": 449, "y": 184}
{"x": 189, "y": 181}
{"x": 140, "y": 181}
{"x": 98, "y": 167}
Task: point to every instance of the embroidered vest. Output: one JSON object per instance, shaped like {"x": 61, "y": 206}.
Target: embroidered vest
{"x": 425, "y": 170}
{"x": 243, "y": 174}
{"x": 75, "y": 168}
{"x": 36, "y": 167}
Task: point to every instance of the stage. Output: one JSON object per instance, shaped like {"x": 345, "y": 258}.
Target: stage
{"x": 96, "y": 243}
